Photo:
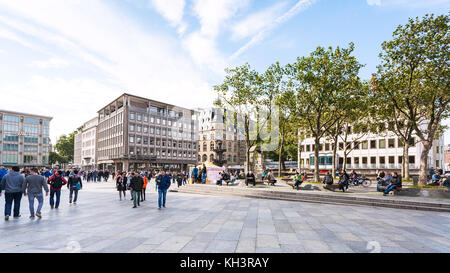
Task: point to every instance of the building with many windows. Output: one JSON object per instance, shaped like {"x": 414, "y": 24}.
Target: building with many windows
{"x": 25, "y": 139}
{"x": 136, "y": 133}
{"x": 219, "y": 143}
{"x": 85, "y": 146}
{"x": 370, "y": 152}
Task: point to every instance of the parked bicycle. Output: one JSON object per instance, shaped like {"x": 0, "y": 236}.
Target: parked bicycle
{"x": 360, "y": 181}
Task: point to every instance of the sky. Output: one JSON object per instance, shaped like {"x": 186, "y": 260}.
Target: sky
{"x": 67, "y": 59}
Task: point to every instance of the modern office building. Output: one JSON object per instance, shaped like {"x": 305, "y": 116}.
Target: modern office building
{"x": 219, "y": 142}
{"x": 25, "y": 139}
{"x": 85, "y": 146}
{"x": 371, "y": 153}
{"x": 136, "y": 133}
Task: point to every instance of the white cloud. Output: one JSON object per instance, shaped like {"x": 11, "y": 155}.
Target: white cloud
{"x": 257, "y": 21}
{"x": 202, "y": 44}
{"x": 132, "y": 58}
{"x": 54, "y": 62}
{"x": 374, "y": 2}
{"x": 258, "y": 37}
{"x": 406, "y": 3}
{"x": 173, "y": 11}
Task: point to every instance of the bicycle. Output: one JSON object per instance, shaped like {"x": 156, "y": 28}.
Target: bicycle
{"x": 363, "y": 181}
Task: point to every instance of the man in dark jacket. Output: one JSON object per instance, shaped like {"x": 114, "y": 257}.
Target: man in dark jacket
{"x": 396, "y": 182}
{"x": 343, "y": 181}
{"x": 12, "y": 184}
{"x": 136, "y": 185}
{"x": 163, "y": 182}
{"x": 328, "y": 179}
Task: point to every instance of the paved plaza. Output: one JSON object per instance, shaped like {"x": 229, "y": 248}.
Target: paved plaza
{"x": 198, "y": 223}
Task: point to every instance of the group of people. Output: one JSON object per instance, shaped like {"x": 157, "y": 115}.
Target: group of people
{"x": 96, "y": 175}
{"x": 199, "y": 176}
{"x": 32, "y": 184}
{"x": 137, "y": 182}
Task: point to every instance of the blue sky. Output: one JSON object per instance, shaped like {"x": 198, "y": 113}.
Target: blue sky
{"x": 69, "y": 58}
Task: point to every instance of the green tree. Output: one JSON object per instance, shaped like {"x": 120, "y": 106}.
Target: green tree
{"x": 323, "y": 82}
{"x": 241, "y": 91}
{"x": 65, "y": 145}
{"x": 414, "y": 76}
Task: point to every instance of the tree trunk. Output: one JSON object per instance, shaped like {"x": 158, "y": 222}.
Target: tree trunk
{"x": 405, "y": 163}
{"x": 333, "y": 169}
{"x": 423, "y": 172}
{"x": 280, "y": 155}
{"x": 316, "y": 159}
{"x": 344, "y": 164}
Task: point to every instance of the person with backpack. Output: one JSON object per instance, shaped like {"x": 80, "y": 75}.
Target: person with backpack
{"x": 328, "y": 179}
{"x": 74, "y": 184}
{"x": 32, "y": 187}
{"x": 163, "y": 182}
{"x": 56, "y": 182}
{"x": 12, "y": 185}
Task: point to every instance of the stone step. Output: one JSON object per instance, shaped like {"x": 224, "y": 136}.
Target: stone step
{"x": 315, "y": 198}
{"x": 330, "y": 196}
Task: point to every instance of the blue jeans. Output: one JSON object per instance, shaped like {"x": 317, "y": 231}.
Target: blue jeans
{"x": 136, "y": 197}
{"x": 52, "y": 198}
{"x": 40, "y": 198}
{"x": 162, "y": 197}
{"x": 390, "y": 188}
{"x": 9, "y": 198}
{"x": 72, "y": 190}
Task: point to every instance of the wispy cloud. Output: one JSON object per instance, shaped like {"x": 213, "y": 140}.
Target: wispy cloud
{"x": 173, "y": 11}
{"x": 406, "y": 3}
{"x": 257, "y": 21}
{"x": 301, "y": 5}
{"x": 54, "y": 62}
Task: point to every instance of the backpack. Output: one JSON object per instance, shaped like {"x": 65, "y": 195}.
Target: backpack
{"x": 57, "y": 182}
{"x": 77, "y": 186}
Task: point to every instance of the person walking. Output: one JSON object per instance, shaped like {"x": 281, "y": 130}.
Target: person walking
{"x": 121, "y": 185}
{"x": 56, "y": 181}
{"x": 144, "y": 187}
{"x": 32, "y": 188}
{"x": 136, "y": 188}
{"x": 12, "y": 185}
{"x": 163, "y": 182}
{"x": 180, "y": 178}
{"x": 74, "y": 184}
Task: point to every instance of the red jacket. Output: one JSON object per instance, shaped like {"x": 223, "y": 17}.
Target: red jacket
{"x": 50, "y": 179}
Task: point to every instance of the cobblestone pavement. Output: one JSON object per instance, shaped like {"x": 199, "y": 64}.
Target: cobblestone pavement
{"x": 198, "y": 223}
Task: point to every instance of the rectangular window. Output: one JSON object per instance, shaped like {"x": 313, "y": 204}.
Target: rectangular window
{"x": 131, "y": 127}
{"x": 10, "y": 147}
{"x": 341, "y": 146}
{"x": 373, "y": 144}
{"x": 10, "y": 118}
{"x": 373, "y": 160}
{"x": 132, "y": 114}
{"x": 131, "y": 139}
{"x": 12, "y": 138}
{"x": 391, "y": 143}
{"x": 139, "y": 116}
{"x": 382, "y": 160}
{"x": 31, "y": 121}
{"x": 327, "y": 146}
{"x": 356, "y": 160}
{"x": 364, "y": 145}
{"x": 399, "y": 143}
{"x": 412, "y": 142}
{"x": 356, "y": 145}
{"x": 392, "y": 160}
{"x": 412, "y": 159}
{"x": 10, "y": 158}
{"x": 308, "y": 148}
{"x": 30, "y": 148}
{"x": 382, "y": 143}
{"x": 10, "y": 128}
{"x": 364, "y": 160}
